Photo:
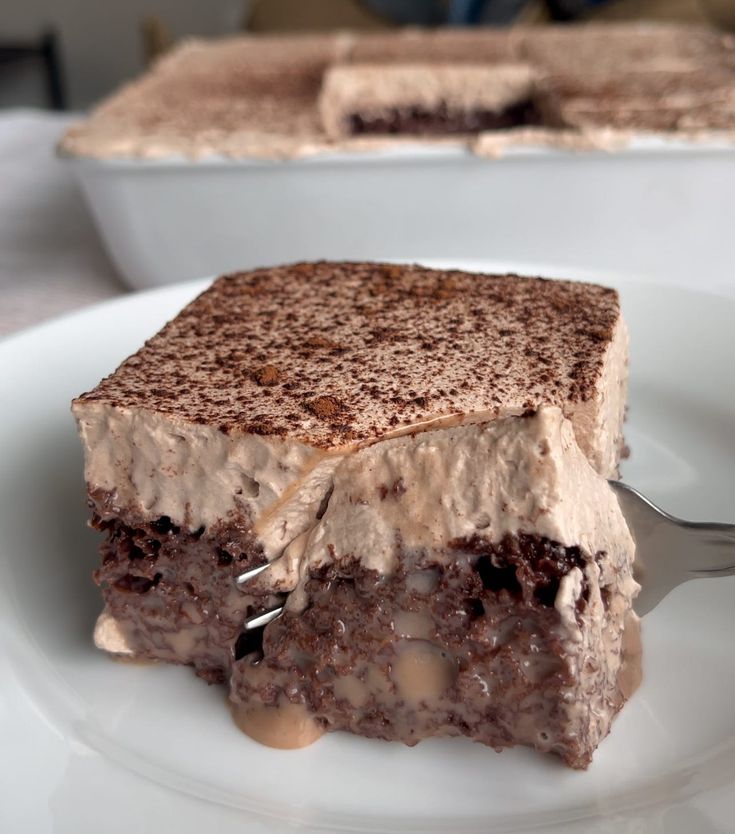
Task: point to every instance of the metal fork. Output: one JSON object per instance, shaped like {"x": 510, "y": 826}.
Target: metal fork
{"x": 259, "y": 620}
{"x": 669, "y": 552}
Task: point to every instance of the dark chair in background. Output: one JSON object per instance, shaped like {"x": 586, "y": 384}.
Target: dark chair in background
{"x": 44, "y": 53}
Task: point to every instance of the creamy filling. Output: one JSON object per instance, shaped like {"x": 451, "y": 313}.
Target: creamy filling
{"x": 490, "y": 479}
{"x": 286, "y": 727}
{"x": 112, "y": 636}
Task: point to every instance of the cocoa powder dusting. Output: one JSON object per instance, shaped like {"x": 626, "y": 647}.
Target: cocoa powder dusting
{"x": 325, "y": 407}
{"x": 267, "y": 375}
{"x": 333, "y": 352}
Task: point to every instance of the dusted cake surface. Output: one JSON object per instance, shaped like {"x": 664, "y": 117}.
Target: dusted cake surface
{"x": 335, "y": 354}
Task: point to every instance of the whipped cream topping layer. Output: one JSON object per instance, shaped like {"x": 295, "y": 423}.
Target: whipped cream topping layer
{"x": 418, "y": 493}
{"x": 512, "y": 474}
{"x": 199, "y": 477}
{"x": 598, "y": 419}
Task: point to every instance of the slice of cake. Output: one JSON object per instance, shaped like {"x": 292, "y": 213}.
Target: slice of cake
{"x": 288, "y": 414}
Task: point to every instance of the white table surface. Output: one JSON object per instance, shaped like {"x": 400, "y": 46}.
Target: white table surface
{"x": 51, "y": 258}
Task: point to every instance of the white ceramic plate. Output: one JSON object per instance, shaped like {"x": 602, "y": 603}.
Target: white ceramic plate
{"x": 89, "y": 745}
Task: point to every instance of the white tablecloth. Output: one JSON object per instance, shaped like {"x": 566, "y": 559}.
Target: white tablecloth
{"x": 51, "y": 258}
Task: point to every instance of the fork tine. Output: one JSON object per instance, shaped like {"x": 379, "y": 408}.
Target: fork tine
{"x": 247, "y": 575}
{"x": 260, "y": 620}
{"x": 670, "y": 550}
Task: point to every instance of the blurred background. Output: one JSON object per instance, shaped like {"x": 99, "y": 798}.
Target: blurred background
{"x": 59, "y": 57}
{"x": 66, "y": 54}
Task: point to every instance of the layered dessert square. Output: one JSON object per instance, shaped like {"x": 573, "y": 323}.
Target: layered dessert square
{"x": 419, "y": 458}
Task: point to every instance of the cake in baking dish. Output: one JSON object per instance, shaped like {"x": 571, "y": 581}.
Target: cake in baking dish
{"x": 293, "y": 95}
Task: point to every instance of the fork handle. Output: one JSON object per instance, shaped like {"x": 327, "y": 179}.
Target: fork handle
{"x": 714, "y": 546}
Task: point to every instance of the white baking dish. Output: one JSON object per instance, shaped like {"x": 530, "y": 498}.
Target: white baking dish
{"x": 660, "y": 209}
